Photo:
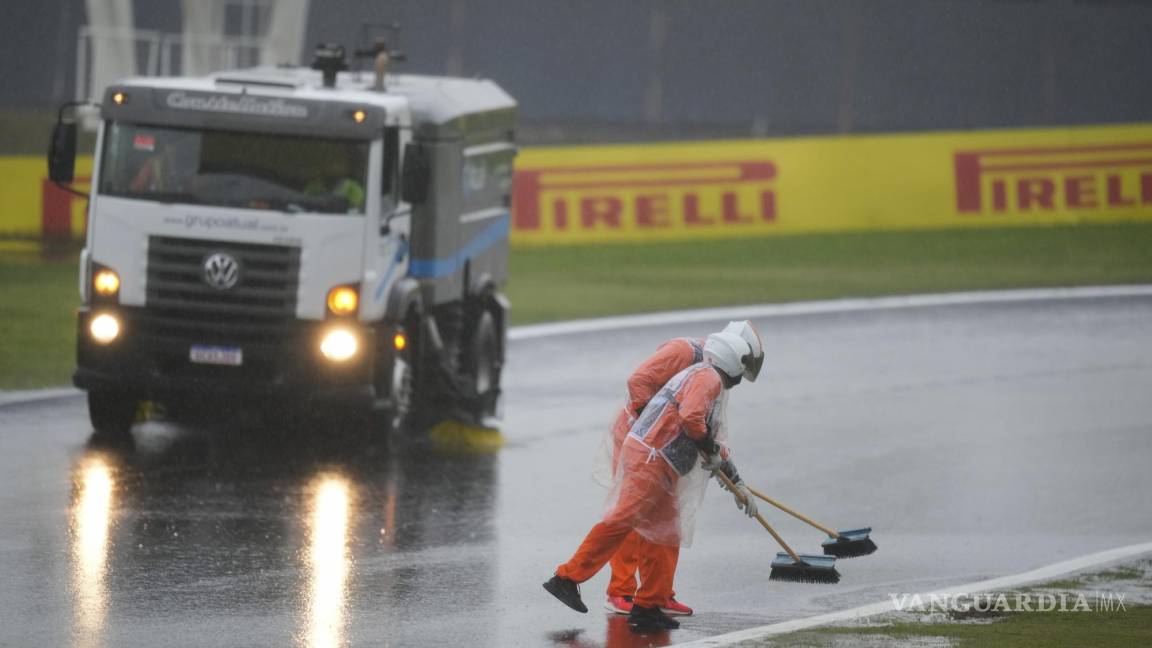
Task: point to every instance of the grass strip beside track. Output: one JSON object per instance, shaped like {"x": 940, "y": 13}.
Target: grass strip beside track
{"x": 586, "y": 281}
{"x": 1121, "y": 629}
{"x": 38, "y": 301}
{"x": 1103, "y": 620}
{"x": 39, "y": 297}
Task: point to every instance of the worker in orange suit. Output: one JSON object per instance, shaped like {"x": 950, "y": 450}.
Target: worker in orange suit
{"x": 663, "y": 447}
{"x": 670, "y": 358}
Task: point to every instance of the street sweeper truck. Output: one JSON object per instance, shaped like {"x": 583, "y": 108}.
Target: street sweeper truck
{"x": 282, "y": 237}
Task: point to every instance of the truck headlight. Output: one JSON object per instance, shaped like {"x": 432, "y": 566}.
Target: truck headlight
{"x": 339, "y": 345}
{"x": 106, "y": 282}
{"x": 104, "y": 328}
{"x": 343, "y": 300}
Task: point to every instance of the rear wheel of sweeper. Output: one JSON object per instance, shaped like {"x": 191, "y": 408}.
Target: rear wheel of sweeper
{"x": 402, "y": 407}
{"x": 483, "y": 362}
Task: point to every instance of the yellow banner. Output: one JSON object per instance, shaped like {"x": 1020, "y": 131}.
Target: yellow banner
{"x": 763, "y": 187}
{"x": 32, "y": 207}
{"x": 705, "y": 190}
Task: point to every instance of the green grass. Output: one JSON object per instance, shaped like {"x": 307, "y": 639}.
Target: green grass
{"x": 568, "y": 282}
{"x": 1065, "y": 584}
{"x": 1105, "y": 626}
{"x": 1122, "y": 574}
{"x": 1116, "y": 629}
{"x": 36, "y": 321}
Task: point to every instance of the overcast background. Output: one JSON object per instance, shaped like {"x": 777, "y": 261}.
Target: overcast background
{"x": 612, "y": 69}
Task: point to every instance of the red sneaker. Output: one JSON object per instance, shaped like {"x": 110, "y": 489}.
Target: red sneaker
{"x": 676, "y": 608}
{"x": 618, "y": 604}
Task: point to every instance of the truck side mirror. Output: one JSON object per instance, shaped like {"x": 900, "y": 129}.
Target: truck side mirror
{"x": 62, "y": 152}
{"x": 416, "y": 174}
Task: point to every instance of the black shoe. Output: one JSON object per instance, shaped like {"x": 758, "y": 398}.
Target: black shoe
{"x": 645, "y": 619}
{"x": 567, "y": 591}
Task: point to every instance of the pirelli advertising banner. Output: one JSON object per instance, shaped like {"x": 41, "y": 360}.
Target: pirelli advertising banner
{"x": 712, "y": 190}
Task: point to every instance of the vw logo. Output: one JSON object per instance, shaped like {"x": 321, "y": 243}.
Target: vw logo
{"x": 221, "y": 271}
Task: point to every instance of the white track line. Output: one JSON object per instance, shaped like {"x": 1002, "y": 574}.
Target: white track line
{"x": 1043, "y": 573}
{"x": 759, "y": 311}
{"x": 33, "y": 395}
{"x": 752, "y": 311}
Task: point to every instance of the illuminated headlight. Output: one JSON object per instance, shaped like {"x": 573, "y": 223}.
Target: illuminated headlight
{"x": 339, "y": 345}
{"x": 104, "y": 328}
{"x": 106, "y": 283}
{"x": 343, "y": 300}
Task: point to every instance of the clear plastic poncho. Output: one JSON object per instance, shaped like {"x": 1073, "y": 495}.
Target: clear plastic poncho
{"x": 659, "y": 500}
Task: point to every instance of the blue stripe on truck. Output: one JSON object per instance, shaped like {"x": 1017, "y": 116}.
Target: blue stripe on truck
{"x": 444, "y": 266}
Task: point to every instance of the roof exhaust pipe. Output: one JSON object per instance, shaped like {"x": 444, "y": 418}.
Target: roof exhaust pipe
{"x": 382, "y": 56}
{"x": 382, "y": 61}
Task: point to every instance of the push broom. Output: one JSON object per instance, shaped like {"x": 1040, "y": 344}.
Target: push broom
{"x": 841, "y": 544}
{"x": 789, "y": 565}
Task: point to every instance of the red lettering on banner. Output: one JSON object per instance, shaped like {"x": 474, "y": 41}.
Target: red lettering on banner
{"x": 1035, "y": 191}
{"x": 1077, "y": 177}
{"x": 603, "y": 209}
{"x": 56, "y": 210}
{"x": 1000, "y": 195}
{"x": 1080, "y": 191}
{"x": 644, "y": 196}
{"x": 526, "y": 200}
{"x": 731, "y": 209}
{"x": 652, "y": 210}
{"x": 768, "y": 206}
{"x": 1116, "y": 197}
{"x": 692, "y": 215}
{"x": 560, "y": 208}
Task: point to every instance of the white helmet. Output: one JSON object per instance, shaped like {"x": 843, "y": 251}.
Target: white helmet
{"x": 727, "y": 352}
{"x": 748, "y": 333}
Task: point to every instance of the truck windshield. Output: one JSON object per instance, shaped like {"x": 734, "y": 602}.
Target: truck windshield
{"x": 235, "y": 169}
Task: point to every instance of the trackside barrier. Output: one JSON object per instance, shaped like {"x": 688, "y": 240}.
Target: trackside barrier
{"x": 731, "y": 189}
{"x": 822, "y": 184}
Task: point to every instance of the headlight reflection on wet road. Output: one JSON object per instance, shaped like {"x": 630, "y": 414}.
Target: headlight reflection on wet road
{"x": 329, "y": 561}
{"x": 90, "y": 521}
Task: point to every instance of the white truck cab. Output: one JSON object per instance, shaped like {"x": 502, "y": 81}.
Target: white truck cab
{"x": 295, "y": 235}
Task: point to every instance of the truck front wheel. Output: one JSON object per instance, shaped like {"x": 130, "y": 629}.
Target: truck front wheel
{"x": 112, "y": 413}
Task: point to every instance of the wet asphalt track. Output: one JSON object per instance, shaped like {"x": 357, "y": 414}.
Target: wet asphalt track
{"x": 977, "y": 440}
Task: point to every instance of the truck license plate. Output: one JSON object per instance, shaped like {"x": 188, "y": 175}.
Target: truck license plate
{"x": 215, "y": 355}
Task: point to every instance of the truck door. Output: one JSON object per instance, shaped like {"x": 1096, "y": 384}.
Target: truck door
{"x": 391, "y": 239}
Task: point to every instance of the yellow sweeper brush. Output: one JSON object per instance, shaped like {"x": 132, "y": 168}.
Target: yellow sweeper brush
{"x": 458, "y": 436}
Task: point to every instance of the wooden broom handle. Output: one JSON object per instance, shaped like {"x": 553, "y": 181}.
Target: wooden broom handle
{"x": 732, "y": 488}
{"x": 794, "y": 514}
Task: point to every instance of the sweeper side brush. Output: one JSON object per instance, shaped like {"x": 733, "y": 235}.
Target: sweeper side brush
{"x": 788, "y": 565}
{"x": 841, "y": 544}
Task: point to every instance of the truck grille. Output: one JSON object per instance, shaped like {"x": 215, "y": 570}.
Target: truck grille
{"x": 182, "y": 308}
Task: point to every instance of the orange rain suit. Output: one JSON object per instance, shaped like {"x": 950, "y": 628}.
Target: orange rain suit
{"x": 647, "y": 494}
{"x": 670, "y": 359}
